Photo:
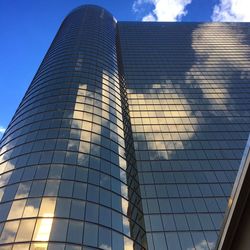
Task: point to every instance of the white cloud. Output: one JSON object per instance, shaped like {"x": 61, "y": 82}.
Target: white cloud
{"x": 164, "y": 10}
{"x": 2, "y": 129}
{"x": 138, "y": 3}
{"x": 232, "y": 11}
{"x": 149, "y": 18}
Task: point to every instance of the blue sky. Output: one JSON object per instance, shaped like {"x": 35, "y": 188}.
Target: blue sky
{"x": 29, "y": 26}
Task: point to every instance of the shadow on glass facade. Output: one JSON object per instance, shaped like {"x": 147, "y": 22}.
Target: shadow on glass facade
{"x": 129, "y": 136}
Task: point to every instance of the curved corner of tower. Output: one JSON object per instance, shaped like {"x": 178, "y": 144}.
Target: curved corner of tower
{"x": 94, "y": 9}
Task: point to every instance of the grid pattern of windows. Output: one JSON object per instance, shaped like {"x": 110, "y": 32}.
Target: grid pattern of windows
{"x": 66, "y": 182}
{"x": 129, "y": 136}
{"x": 188, "y": 89}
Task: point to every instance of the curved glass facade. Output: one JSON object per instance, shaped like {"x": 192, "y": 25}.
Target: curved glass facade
{"x": 66, "y": 181}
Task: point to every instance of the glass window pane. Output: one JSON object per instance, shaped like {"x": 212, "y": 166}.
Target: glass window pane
{"x": 186, "y": 240}
{"x": 168, "y": 222}
{"x": 9, "y": 231}
{"x": 173, "y": 241}
{"x": 81, "y": 174}
{"x": 90, "y": 234}
{"x": 117, "y": 240}
{"x": 47, "y": 207}
{"x": 40, "y": 246}
{"x": 199, "y": 240}
{"x": 211, "y": 239}
{"x": 51, "y": 188}
{"x": 104, "y": 238}
{"x": 73, "y": 247}
{"x": 193, "y": 222}
{"x": 156, "y": 224}
{"x": 32, "y": 207}
{"x": 180, "y": 221}
{"x": 59, "y": 230}
{"x": 16, "y": 210}
{"x": 23, "y": 190}
{"x": 117, "y": 221}
{"x": 66, "y": 188}
{"x": 62, "y": 207}
{"x": 105, "y": 216}
{"x": 159, "y": 241}
{"x": 25, "y": 230}
{"x": 42, "y": 230}
{"x": 21, "y": 247}
{"x": 77, "y": 210}
{"x": 37, "y": 188}
{"x": 4, "y": 210}
{"x": 75, "y": 232}
{"x": 92, "y": 212}
{"x": 10, "y": 192}
{"x": 56, "y": 246}
{"x": 80, "y": 190}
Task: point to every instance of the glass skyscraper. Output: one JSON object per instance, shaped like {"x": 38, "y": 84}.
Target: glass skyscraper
{"x": 129, "y": 136}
